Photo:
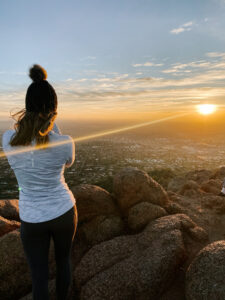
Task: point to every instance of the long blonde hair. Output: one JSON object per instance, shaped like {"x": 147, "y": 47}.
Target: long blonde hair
{"x": 32, "y": 125}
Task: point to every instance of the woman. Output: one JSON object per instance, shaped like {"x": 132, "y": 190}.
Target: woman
{"x": 47, "y": 208}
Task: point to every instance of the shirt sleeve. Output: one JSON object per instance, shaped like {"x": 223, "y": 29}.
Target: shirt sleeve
{"x": 56, "y": 129}
{"x": 71, "y": 152}
{"x": 6, "y": 138}
{"x": 3, "y": 140}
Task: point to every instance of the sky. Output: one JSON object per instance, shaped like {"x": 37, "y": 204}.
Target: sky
{"x": 114, "y": 59}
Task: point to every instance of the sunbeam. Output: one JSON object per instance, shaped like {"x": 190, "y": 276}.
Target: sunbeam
{"x": 87, "y": 137}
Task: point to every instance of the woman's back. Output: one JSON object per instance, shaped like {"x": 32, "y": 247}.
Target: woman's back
{"x": 43, "y": 192}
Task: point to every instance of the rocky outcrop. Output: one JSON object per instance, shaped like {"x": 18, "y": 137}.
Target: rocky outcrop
{"x": 134, "y": 243}
{"x": 199, "y": 176}
{"x": 205, "y": 278}
{"x": 145, "y": 263}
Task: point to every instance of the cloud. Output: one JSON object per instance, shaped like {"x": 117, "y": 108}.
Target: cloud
{"x": 198, "y": 80}
{"x": 147, "y": 64}
{"x": 185, "y": 27}
{"x": 195, "y": 65}
{"x": 82, "y": 79}
{"x": 216, "y": 54}
{"x": 88, "y": 58}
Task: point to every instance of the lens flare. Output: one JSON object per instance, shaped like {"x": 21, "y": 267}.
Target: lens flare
{"x": 206, "y": 109}
{"x": 22, "y": 149}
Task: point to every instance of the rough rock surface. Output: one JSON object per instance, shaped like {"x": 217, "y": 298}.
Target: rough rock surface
{"x": 190, "y": 189}
{"x": 125, "y": 246}
{"x": 131, "y": 186}
{"x": 7, "y": 225}
{"x": 9, "y": 209}
{"x": 200, "y": 201}
{"x": 93, "y": 201}
{"x": 219, "y": 174}
{"x": 176, "y": 183}
{"x": 142, "y": 213}
{"x": 199, "y": 176}
{"x": 145, "y": 263}
{"x": 102, "y": 228}
{"x": 205, "y": 278}
{"x": 213, "y": 186}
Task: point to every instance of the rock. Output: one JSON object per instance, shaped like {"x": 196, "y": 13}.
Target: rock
{"x": 7, "y": 225}
{"x": 102, "y": 228}
{"x": 177, "y": 289}
{"x": 205, "y": 277}
{"x": 191, "y": 181}
{"x": 219, "y": 174}
{"x": 174, "y": 208}
{"x": 190, "y": 189}
{"x": 93, "y": 201}
{"x": 15, "y": 277}
{"x": 142, "y": 213}
{"x": 176, "y": 184}
{"x": 199, "y": 176}
{"x": 198, "y": 233}
{"x": 139, "y": 266}
{"x": 212, "y": 201}
{"x": 212, "y": 186}
{"x": 131, "y": 186}
{"x": 9, "y": 209}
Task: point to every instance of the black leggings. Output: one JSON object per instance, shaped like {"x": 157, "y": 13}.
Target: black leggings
{"x": 36, "y": 241}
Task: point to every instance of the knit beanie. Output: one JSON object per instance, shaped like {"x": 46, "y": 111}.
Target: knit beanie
{"x": 40, "y": 96}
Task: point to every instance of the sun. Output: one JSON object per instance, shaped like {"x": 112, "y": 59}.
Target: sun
{"x": 206, "y": 109}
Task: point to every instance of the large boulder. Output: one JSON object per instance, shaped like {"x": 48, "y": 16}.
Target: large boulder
{"x": 142, "y": 213}
{"x": 101, "y": 228}
{"x": 205, "y": 277}
{"x": 9, "y": 209}
{"x": 131, "y": 186}
{"x": 15, "y": 277}
{"x": 92, "y": 201}
{"x": 139, "y": 266}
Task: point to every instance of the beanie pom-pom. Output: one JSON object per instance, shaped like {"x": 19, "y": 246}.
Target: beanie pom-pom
{"x": 37, "y": 73}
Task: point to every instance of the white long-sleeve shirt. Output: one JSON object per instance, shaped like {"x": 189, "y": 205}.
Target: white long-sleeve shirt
{"x": 43, "y": 192}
